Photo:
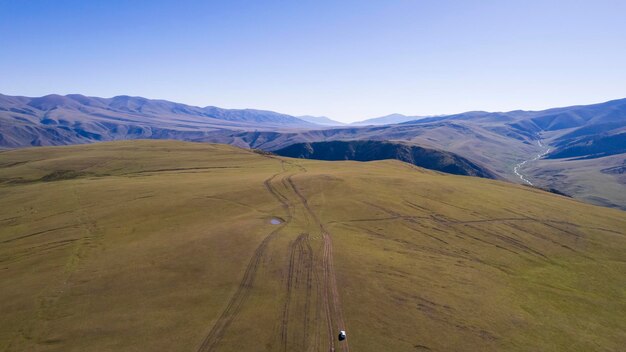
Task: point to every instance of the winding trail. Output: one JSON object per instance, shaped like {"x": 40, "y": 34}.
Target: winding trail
{"x": 517, "y": 167}
{"x": 300, "y": 272}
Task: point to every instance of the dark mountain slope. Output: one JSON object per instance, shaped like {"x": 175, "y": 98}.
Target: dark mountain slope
{"x": 380, "y": 150}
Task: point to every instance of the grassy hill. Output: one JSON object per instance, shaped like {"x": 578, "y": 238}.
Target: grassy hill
{"x": 168, "y": 246}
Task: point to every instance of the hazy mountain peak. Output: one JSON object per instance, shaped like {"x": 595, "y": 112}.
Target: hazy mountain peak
{"x": 321, "y": 120}
{"x": 387, "y": 120}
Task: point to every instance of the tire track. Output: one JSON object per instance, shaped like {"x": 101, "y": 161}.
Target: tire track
{"x": 330, "y": 297}
{"x": 212, "y": 339}
{"x": 308, "y": 277}
{"x": 287, "y": 305}
{"x": 326, "y": 293}
{"x": 332, "y": 283}
{"x": 300, "y": 266}
{"x": 307, "y": 302}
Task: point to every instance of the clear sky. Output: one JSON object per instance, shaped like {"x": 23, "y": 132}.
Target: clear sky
{"x": 345, "y": 59}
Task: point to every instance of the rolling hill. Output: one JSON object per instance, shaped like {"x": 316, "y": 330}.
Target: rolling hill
{"x": 169, "y": 246}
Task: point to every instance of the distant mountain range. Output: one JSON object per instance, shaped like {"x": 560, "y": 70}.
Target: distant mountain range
{"x": 588, "y": 131}
{"x": 70, "y": 119}
{"x": 577, "y": 131}
{"x": 495, "y": 141}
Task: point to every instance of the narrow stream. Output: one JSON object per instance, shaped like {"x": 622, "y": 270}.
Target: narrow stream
{"x": 517, "y": 167}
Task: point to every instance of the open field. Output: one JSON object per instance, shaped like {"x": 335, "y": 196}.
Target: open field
{"x": 168, "y": 246}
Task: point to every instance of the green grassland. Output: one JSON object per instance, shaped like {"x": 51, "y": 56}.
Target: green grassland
{"x": 168, "y": 246}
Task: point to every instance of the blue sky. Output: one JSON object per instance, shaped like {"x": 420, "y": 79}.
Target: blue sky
{"x": 348, "y": 60}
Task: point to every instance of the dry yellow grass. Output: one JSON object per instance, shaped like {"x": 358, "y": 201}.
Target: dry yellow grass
{"x": 168, "y": 246}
